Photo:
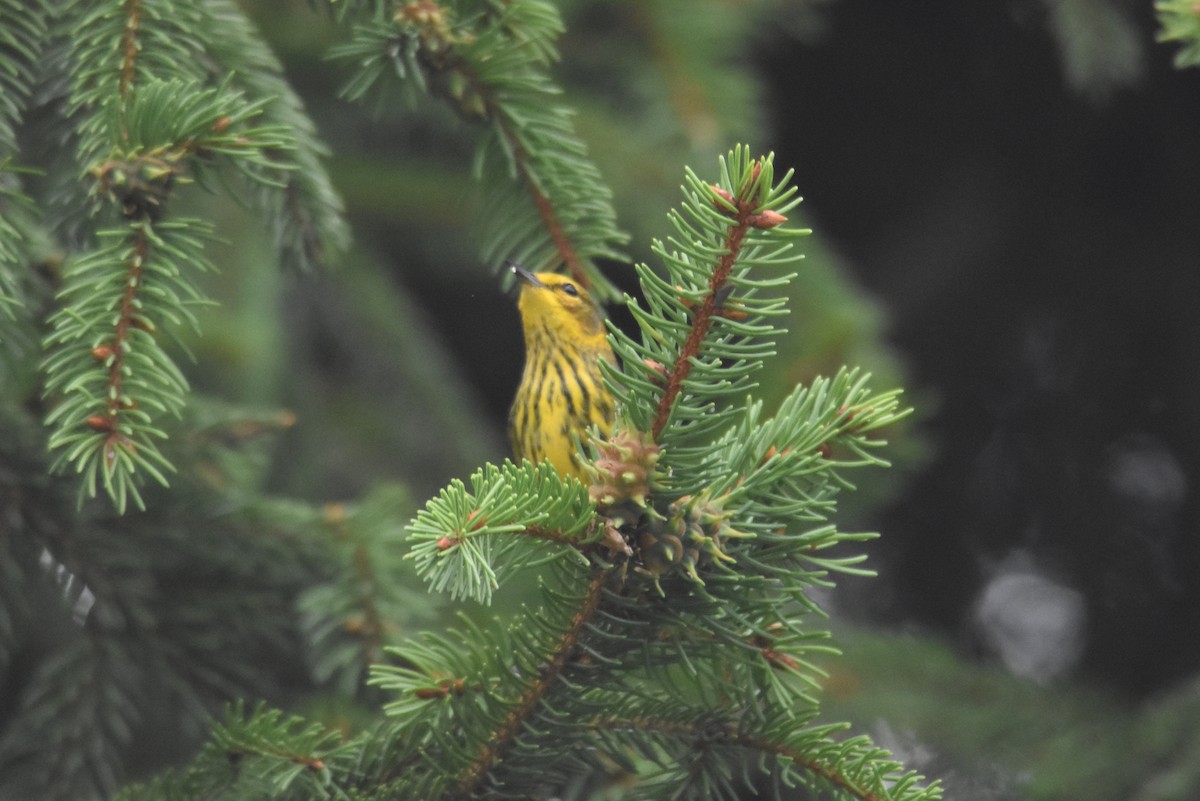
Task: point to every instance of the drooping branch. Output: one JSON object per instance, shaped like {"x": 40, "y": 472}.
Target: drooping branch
{"x": 545, "y": 207}
{"x": 815, "y": 766}
{"x": 493, "y": 70}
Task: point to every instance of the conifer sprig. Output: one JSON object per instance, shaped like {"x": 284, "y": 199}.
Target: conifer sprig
{"x": 305, "y": 213}
{"x": 489, "y": 61}
{"x": 148, "y": 118}
{"x": 22, "y": 38}
{"x": 463, "y": 541}
{"x": 704, "y": 323}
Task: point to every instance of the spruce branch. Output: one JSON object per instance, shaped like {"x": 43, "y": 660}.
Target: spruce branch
{"x": 23, "y": 33}
{"x": 694, "y": 747}
{"x": 139, "y": 624}
{"x": 489, "y": 62}
{"x": 23, "y": 30}
{"x": 674, "y": 637}
{"x": 472, "y": 694}
{"x": 15, "y": 218}
{"x": 464, "y": 541}
{"x": 275, "y": 752}
{"x": 79, "y": 714}
{"x": 147, "y": 97}
{"x": 104, "y": 360}
{"x": 698, "y": 567}
{"x": 703, "y": 323}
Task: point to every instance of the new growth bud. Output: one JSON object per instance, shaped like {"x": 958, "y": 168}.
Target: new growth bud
{"x": 624, "y": 469}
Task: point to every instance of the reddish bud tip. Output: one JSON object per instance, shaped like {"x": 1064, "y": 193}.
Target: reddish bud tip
{"x": 779, "y": 661}
{"x": 99, "y": 423}
{"x": 445, "y": 543}
{"x": 102, "y": 353}
{"x": 767, "y": 219}
{"x": 725, "y": 196}
{"x": 222, "y": 124}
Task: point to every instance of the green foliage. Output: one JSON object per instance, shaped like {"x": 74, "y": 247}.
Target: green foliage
{"x": 670, "y": 636}
{"x": 22, "y": 36}
{"x": 546, "y": 204}
{"x": 139, "y": 624}
{"x": 738, "y": 320}
{"x": 717, "y": 620}
{"x": 146, "y": 98}
{"x": 454, "y": 538}
{"x": 689, "y": 672}
{"x": 1180, "y": 21}
{"x": 352, "y": 616}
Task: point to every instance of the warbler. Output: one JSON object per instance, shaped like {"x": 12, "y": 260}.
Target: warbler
{"x": 561, "y": 393}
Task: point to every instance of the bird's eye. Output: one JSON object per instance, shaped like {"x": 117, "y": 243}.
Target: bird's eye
{"x": 570, "y": 290}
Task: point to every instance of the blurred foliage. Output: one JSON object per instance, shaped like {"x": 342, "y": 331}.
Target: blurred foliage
{"x": 1180, "y": 21}
{"x": 991, "y": 735}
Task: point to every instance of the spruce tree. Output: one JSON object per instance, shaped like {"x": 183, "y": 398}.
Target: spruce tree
{"x": 671, "y": 648}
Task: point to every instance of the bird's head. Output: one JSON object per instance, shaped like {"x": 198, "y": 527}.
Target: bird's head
{"x": 558, "y": 305}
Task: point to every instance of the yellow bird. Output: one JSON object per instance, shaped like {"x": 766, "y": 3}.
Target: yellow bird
{"x": 561, "y": 393}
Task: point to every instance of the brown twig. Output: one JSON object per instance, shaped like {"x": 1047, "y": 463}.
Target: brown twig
{"x": 129, "y": 45}
{"x": 702, "y": 314}
{"x": 502, "y": 738}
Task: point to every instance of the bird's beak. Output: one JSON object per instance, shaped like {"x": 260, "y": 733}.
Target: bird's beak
{"x": 522, "y": 273}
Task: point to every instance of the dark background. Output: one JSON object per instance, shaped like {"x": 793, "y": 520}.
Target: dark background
{"x": 1035, "y": 245}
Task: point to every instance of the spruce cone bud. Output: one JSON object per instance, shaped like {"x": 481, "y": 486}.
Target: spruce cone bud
{"x": 624, "y": 469}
